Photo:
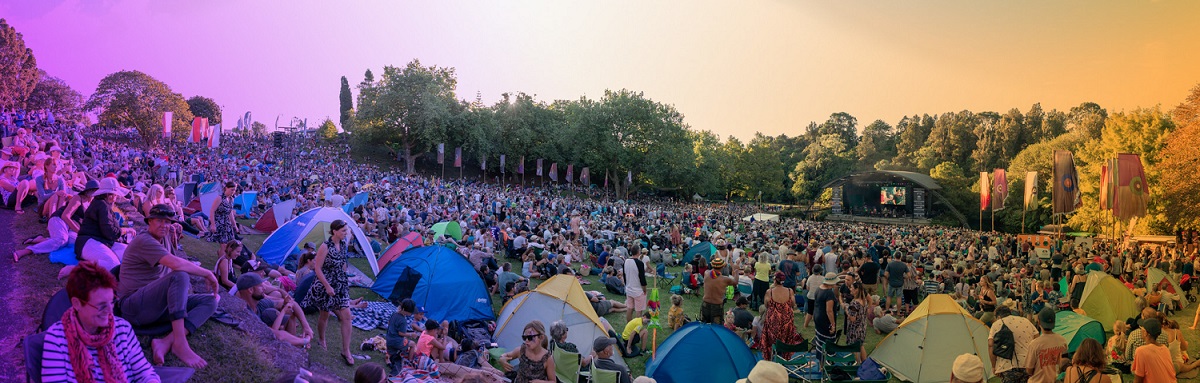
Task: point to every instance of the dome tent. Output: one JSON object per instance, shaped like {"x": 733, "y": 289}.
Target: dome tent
{"x": 558, "y": 298}
{"x": 312, "y": 226}
{"x": 1075, "y": 328}
{"x": 699, "y": 352}
{"x": 914, "y": 353}
{"x": 1107, "y": 300}
{"x": 438, "y": 279}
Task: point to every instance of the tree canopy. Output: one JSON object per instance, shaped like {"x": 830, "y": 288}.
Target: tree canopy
{"x": 54, "y": 95}
{"x": 205, "y": 107}
{"x": 134, "y": 99}
{"x": 19, "y": 73}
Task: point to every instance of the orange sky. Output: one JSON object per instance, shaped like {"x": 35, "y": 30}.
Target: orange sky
{"x": 730, "y": 67}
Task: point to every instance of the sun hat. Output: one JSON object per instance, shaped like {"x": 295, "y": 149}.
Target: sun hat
{"x": 968, "y": 368}
{"x": 9, "y": 164}
{"x": 831, "y": 279}
{"x": 110, "y": 186}
{"x": 161, "y": 211}
{"x": 766, "y": 372}
{"x": 91, "y": 187}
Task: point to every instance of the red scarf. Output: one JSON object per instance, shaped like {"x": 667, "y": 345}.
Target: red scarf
{"x": 78, "y": 342}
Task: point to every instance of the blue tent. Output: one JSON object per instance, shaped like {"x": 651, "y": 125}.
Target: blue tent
{"x": 245, "y": 202}
{"x": 356, "y": 201}
{"x": 723, "y": 355}
{"x": 312, "y": 226}
{"x": 438, "y": 279}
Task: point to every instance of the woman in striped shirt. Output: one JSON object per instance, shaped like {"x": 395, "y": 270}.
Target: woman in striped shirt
{"x": 89, "y": 344}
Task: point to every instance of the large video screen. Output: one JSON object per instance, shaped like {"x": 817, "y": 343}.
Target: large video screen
{"x": 892, "y": 195}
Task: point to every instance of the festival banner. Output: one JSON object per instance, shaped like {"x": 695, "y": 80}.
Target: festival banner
{"x": 205, "y": 130}
{"x": 458, "y": 157}
{"x": 215, "y": 140}
{"x": 554, "y": 172}
{"x": 999, "y": 189}
{"x": 167, "y": 124}
{"x": 1105, "y": 187}
{"x": 539, "y": 167}
{"x": 606, "y": 180}
{"x": 442, "y": 154}
{"x": 197, "y": 132}
{"x": 501, "y": 164}
{"x": 985, "y": 191}
{"x": 1030, "y": 190}
{"x": 483, "y": 162}
{"x": 570, "y": 173}
{"x": 1132, "y": 192}
{"x": 1066, "y": 183}
{"x": 521, "y": 166}
{"x": 629, "y": 177}
{"x": 585, "y": 177}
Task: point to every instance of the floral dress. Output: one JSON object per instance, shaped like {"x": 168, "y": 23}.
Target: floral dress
{"x": 856, "y": 330}
{"x": 334, "y": 268}
{"x": 529, "y": 370}
{"x": 226, "y": 231}
{"x": 778, "y": 326}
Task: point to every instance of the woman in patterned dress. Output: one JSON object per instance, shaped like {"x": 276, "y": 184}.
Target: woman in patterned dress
{"x": 856, "y": 320}
{"x": 222, "y": 225}
{"x": 330, "y": 293}
{"x": 779, "y": 324}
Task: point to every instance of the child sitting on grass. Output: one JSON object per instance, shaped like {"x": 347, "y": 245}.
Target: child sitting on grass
{"x": 675, "y": 317}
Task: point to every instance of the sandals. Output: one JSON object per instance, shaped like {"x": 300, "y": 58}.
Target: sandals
{"x": 349, "y": 360}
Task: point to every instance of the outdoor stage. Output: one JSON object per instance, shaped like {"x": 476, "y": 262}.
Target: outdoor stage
{"x": 887, "y": 197}
{"x": 879, "y": 220}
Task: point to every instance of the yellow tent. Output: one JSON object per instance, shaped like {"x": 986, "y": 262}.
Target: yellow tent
{"x": 923, "y": 348}
{"x": 558, "y": 298}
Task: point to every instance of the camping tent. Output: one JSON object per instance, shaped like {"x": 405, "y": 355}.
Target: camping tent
{"x": 245, "y": 202}
{"x": 558, "y": 298}
{"x": 1158, "y": 280}
{"x": 761, "y": 217}
{"x": 699, "y": 352}
{"x": 410, "y": 240}
{"x": 1076, "y": 328}
{"x": 1107, "y": 299}
{"x": 438, "y": 279}
{"x": 915, "y": 353}
{"x": 356, "y": 201}
{"x": 449, "y": 228}
{"x": 705, "y": 249}
{"x": 276, "y": 216}
{"x": 311, "y": 226}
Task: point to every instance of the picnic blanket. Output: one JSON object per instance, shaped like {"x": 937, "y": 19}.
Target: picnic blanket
{"x": 376, "y": 315}
{"x": 357, "y": 277}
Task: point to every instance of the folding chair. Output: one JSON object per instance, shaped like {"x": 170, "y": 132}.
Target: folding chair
{"x": 604, "y": 376}
{"x": 34, "y": 345}
{"x": 566, "y": 365}
{"x": 801, "y": 364}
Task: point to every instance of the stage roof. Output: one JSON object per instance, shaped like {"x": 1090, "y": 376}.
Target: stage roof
{"x": 920, "y": 179}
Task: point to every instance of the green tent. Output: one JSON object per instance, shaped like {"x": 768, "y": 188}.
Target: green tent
{"x": 1107, "y": 299}
{"x": 450, "y": 228}
{"x": 705, "y": 249}
{"x": 1076, "y": 328}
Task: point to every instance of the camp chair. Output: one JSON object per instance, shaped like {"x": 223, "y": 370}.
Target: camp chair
{"x": 802, "y": 365}
{"x": 33, "y": 363}
{"x": 566, "y": 365}
{"x": 600, "y": 375}
{"x": 60, "y": 302}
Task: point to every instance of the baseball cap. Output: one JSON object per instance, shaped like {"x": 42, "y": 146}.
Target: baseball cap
{"x": 602, "y": 343}
{"x": 248, "y": 281}
{"x": 1046, "y": 318}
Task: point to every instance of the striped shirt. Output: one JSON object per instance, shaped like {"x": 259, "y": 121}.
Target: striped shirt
{"x": 56, "y": 362}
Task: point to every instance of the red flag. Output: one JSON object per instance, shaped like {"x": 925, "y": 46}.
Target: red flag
{"x": 1105, "y": 187}
{"x": 1132, "y": 193}
{"x": 985, "y": 191}
{"x": 458, "y": 157}
{"x": 999, "y": 189}
{"x": 197, "y": 132}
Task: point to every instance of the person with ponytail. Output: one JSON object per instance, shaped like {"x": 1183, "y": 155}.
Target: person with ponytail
{"x": 89, "y": 344}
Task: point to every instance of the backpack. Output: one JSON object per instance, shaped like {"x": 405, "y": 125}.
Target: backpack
{"x": 1004, "y": 343}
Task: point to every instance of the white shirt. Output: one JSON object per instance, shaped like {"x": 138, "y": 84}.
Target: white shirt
{"x": 633, "y": 284}
{"x": 1023, "y": 333}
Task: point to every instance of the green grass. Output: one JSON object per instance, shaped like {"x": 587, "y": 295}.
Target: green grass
{"x": 235, "y": 357}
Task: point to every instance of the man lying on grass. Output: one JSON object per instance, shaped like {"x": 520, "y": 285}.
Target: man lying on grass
{"x": 283, "y": 316}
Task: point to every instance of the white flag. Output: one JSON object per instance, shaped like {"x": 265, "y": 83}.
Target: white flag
{"x": 215, "y": 140}
{"x": 167, "y": 124}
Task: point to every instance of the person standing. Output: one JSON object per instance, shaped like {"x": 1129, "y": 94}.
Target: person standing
{"x": 1152, "y": 361}
{"x": 762, "y": 280}
{"x": 895, "y": 273}
{"x": 635, "y": 283}
{"x": 331, "y": 291}
{"x": 1045, "y": 353}
{"x": 868, "y": 274}
{"x": 779, "y": 323}
{"x": 222, "y": 225}
{"x": 712, "y": 309}
{"x": 1023, "y": 331}
{"x": 825, "y": 313}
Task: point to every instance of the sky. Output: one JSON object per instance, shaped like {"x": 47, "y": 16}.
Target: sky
{"x": 734, "y": 68}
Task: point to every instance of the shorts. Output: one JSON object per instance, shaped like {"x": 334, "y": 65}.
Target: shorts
{"x": 910, "y": 296}
{"x": 1014, "y": 376}
{"x": 637, "y": 303}
{"x": 710, "y": 313}
{"x": 808, "y": 307}
{"x": 893, "y": 292}
{"x": 870, "y": 289}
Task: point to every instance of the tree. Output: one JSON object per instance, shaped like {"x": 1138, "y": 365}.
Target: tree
{"x": 761, "y": 173}
{"x": 843, "y": 125}
{"x": 1088, "y": 117}
{"x": 18, "y": 68}
{"x": 327, "y": 129}
{"x": 1033, "y": 124}
{"x": 1180, "y": 191}
{"x": 989, "y": 147}
{"x": 877, "y": 144}
{"x": 346, "y": 104}
{"x": 259, "y": 129}
{"x": 952, "y": 139}
{"x": 134, "y": 99}
{"x": 826, "y": 159}
{"x": 913, "y": 132}
{"x": 205, "y": 107}
{"x": 408, "y": 107}
{"x": 54, "y": 95}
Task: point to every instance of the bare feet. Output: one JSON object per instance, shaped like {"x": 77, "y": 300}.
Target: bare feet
{"x": 321, "y": 341}
{"x": 189, "y": 357}
{"x": 158, "y": 350}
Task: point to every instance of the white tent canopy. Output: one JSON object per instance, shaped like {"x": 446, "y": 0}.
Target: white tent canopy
{"x": 313, "y": 226}
{"x": 761, "y": 217}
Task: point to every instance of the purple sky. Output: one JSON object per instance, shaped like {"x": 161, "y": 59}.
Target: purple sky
{"x": 730, "y": 67}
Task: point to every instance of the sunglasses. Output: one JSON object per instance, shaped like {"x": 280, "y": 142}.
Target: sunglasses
{"x": 529, "y": 338}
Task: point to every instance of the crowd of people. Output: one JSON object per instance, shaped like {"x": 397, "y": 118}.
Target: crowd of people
{"x": 850, "y": 278}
